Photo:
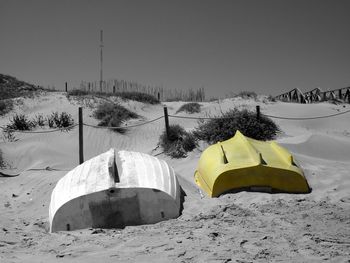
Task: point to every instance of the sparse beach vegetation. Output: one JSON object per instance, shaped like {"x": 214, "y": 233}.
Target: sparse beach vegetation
{"x": 178, "y": 143}
{"x": 192, "y": 107}
{"x": 245, "y": 121}
{"x": 60, "y": 120}
{"x": 247, "y": 95}
{"x": 113, "y": 115}
{"x": 20, "y": 122}
{"x": 5, "y": 106}
{"x": 125, "y": 95}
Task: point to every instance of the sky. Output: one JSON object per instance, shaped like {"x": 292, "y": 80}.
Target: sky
{"x": 265, "y": 46}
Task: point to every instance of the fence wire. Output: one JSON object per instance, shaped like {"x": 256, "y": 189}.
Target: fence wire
{"x": 305, "y": 118}
{"x": 46, "y": 131}
{"x": 200, "y": 118}
{"x": 122, "y": 127}
{"x": 172, "y": 116}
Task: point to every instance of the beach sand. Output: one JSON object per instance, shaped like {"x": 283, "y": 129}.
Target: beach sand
{"x": 241, "y": 227}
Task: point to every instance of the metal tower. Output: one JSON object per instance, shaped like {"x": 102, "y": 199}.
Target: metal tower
{"x": 101, "y": 60}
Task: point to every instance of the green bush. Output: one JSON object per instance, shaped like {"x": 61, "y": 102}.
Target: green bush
{"x": 192, "y": 107}
{"x": 20, "y": 122}
{"x": 245, "y": 121}
{"x": 5, "y": 106}
{"x": 179, "y": 142}
{"x": 63, "y": 120}
{"x": 113, "y": 115}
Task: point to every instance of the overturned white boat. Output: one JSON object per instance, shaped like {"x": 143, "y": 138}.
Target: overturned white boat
{"x": 114, "y": 190}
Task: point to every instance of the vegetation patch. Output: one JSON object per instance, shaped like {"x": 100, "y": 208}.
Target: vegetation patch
{"x": 126, "y": 95}
{"x": 247, "y": 95}
{"x": 178, "y": 143}
{"x": 271, "y": 98}
{"x": 77, "y": 92}
{"x": 56, "y": 120}
{"x": 137, "y": 96}
{"x": 39, "y": 120}
{"x": 20, "y": 122}
{"x": 5, "y": 106}
{"x": 192, "y": 107}
{"x": 113, "y": 115}
{"x": 10, "y": 87}
{"x": 245, "y": 121}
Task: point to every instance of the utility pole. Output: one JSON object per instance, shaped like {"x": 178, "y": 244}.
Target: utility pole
{"x": 101, "y": 59}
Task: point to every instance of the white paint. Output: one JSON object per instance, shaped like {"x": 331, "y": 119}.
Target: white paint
{"x": 88, "y": 196}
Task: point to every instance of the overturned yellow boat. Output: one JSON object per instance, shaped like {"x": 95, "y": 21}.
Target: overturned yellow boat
{"x": 242, "y": 163}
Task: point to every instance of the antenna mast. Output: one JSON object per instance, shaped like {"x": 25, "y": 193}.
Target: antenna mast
{"x": 101, "y": 60}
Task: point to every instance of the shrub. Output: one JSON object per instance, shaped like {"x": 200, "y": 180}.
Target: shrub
{"x": 271, "y": 98}
{"x": 245, "y": 121}
{"x": 247, "y": 95}
{"x": 10, "y": 87}
{"x": 192, "y": 107}
{"x": 20, "y": 122}
{"x": 39, "y": 120}
{"x": 179, "y": 142}
{"x": 77, "y": 92}
{"x": 5, "y": 106}
{"x": 113, "y": 115}
{"x": 63, "y": 120}
{"x": 8, "y": 135}
{"x": 137, "y": 96}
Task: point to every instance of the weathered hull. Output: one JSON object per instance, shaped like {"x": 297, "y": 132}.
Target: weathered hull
{"x": 114, "y": 190}
{"x": 241, "y": 163}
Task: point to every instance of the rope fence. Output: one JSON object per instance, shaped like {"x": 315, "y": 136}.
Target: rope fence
{"x": 123, "y": 127}
{"x": 306, "y": 118}
{"x": 166, "y": 118}
{"x": 200, "y": 118}
{"x": 65, "y": 129}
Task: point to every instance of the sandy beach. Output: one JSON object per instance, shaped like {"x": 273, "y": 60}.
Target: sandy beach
{"x": 240, "y": 227}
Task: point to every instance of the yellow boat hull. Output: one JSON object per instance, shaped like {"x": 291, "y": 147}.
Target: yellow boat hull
{"x": 242, "y": 163}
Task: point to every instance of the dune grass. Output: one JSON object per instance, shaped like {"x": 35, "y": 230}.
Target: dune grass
{"x": 11, "y": 87}
{"x": 5, "y": 106}
{"x": 56, "y": 120}
{"x": 192, "y": 107}
{"x": 245, "y": 121}
{"x": 178, "y": 143}
{"x": 247, "y": 95}
{"x": 113, "y": 115}
{"x": 21, "y": 122}
{"x": 126, "y": 95}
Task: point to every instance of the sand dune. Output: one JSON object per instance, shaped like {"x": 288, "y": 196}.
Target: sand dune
{"x": 242, "y": 227}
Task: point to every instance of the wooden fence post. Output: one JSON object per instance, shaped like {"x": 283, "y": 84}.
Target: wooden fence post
{"x": 81, "y": 145}
{"x": 258, "y": 112}
{"x": 166, "y": 121}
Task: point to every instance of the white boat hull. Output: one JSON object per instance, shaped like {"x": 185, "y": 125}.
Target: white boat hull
{"x": 114, "y": 190}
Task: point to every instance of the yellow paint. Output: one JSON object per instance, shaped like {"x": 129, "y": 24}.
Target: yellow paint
{"x": 242, "y": 162}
